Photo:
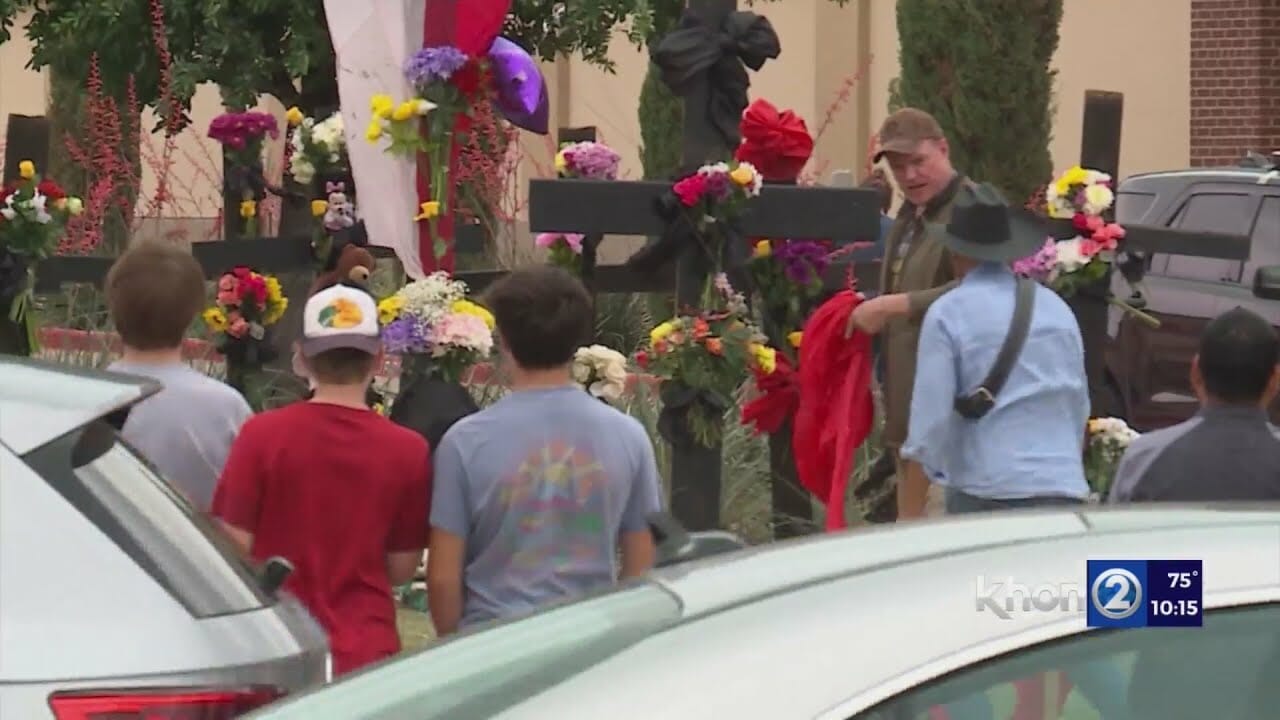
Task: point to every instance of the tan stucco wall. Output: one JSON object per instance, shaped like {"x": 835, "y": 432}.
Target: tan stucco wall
{"x": 823, "y": 46}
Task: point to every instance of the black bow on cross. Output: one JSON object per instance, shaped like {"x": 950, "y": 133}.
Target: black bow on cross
{"x": 694, "y": 48}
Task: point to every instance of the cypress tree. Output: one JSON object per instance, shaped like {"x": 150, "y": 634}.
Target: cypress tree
{"x": 981, "y": 67}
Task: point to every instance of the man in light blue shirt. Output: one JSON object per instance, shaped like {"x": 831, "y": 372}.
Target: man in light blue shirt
{"x": 1027, "y": 448}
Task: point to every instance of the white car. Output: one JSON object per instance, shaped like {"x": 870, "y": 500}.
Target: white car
{"x": 117, "y": 599}
{"x": 900, "y": 622}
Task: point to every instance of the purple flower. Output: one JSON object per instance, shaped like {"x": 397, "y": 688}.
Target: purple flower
{"x": 718, "y": 186}
{"x": 592, "y": 160}
{"x": 1039, "y": 266}
{"x": 404, "y": 334}
{"x": 802, "y": 260}
{"x": 433, "y": 64}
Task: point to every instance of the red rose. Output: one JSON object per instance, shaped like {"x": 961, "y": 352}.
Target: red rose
{"x": 1080, "y": 222}
{"x": 691, "y": 189}
{"x": 50, "y": 189}
{"x": 642, "y": 359}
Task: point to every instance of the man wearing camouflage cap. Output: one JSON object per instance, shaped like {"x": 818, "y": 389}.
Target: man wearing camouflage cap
{"x": 916, "y": 272}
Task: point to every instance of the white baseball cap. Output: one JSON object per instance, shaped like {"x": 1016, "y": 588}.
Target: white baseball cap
{"x": 340, "y": 317}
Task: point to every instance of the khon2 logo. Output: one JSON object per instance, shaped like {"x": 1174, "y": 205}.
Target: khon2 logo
{"x": 1115, "y": 594}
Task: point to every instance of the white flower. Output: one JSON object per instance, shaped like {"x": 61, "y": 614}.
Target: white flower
{"x": 602, "y": 370}
{"x": 1093, "y": 177}
{"x": 301, "y": 168}
{"x": 425, "y": 106}
{"x": 433, "y": 296}
{"x": 719, "y": 168}
{"x": 1070, "y": 258}
{"x": 75, "y": 205}
{"x": 1097, "y": 198}
{"x": 8, "y": 213}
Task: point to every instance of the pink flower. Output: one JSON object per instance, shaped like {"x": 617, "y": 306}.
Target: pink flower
{"x": 228, "y": 298}
{"x": 1089, "y": 247}
{"x": 1039, "y": 266}
{"x": 549, "y": 240}
{"x": 1108, "y": 236}
{"x": 691, "y": 189}
{"x": 238, "y": 327}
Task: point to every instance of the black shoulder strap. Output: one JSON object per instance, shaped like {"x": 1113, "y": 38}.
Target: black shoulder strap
{"x": 980, "y": 402}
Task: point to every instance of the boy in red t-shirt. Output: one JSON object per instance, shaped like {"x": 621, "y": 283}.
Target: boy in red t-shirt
{"x": 339, "y": 491}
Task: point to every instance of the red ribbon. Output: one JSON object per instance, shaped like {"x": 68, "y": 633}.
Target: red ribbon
{"x": 777, "y": 143}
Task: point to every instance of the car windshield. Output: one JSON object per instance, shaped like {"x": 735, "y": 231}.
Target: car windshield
{"x": 480, "y": 674}
{"x": 108, "y": 483}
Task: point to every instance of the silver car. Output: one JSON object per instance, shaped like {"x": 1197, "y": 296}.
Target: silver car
{"x": 928, "y": 620}
{"x": 117, "y": 600}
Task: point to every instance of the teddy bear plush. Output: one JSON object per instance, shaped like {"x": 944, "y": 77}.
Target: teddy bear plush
{"x": 351, "y": 263}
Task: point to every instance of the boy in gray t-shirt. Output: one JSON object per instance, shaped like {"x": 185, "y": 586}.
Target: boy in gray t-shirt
{"x": 535, "y": 496}
{"x": 154, "y": 291}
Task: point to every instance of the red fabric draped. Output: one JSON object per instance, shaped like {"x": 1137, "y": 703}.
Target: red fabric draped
{"x": 472, "y": 32}
{"x": 836, "y": 410}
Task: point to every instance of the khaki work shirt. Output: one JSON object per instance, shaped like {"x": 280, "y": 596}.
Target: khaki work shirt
{"x": 917, "y": 264}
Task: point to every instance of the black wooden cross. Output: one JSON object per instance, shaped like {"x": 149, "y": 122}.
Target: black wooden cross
{"x": 630, "y": 208}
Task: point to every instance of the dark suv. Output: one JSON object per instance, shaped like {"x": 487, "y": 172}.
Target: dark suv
{"x": 1149, "y": 368}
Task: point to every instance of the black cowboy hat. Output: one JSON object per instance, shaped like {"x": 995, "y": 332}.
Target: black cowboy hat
{"x": 984, "y": 227}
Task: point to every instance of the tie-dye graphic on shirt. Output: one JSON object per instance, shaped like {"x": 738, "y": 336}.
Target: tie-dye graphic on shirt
{"x": 554, "y": 515}
{"x": 541, "y": 484}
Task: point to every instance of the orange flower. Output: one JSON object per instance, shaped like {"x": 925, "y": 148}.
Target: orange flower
{"x": 700, "y": 329}
{"x": 715, "y": 346}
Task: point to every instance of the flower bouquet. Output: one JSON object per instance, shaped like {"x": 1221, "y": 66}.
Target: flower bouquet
{"x": 33, "y": 212}
{"x": 788, "y": 276}
{"x": 243, "y": 135}
{"x": 1108, "y": 438}
{"x": 716, "y": 193}
{"x": 245, "y": 305}
{"x": 316, "y": 148}
{"x": 1068, "y": 266}
{"x": 703, "y": 359}
{"x": 602, "y": 371}
{"x": 563, "y": 249}
{"x": 434, "y": 327}
{"x": 588, "y": 161}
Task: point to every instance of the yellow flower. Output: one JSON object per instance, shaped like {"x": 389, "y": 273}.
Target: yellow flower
{"x": 742, "y": 175}
{"x": 660, "y": 333}
{"x": 274, "y": 292}
{"x": 382, "y": 105}
{"x": 276, "y": 307}
{"x": 1098, "y": 198}
{"x": 1094, "y": 425}
{"x": 374, "y": 131}
{"x": 319, "y": 207}
{"x": 27, "y": 169}
{"x": 430, "y": 210}
{"x": 389, "y": 309}
{"x": 766, "y": 357}
{"x": 248, "y": 209}
{"x": 467, "y": 307}
{"x": 75, "y": 205}
{"x": 379, "y": 409}
{"x": 214, "y": 319}
{"x": 561, "y": 162}
{"x": 294, "y": 116}
{"x": 404, "y": 111}
{"x": 795, "y": 338}
{"x": 763, "y": 249}
{"x": 1075, "y": 176}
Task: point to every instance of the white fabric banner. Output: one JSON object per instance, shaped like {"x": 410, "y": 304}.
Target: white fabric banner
{"x": 372, "y": 39}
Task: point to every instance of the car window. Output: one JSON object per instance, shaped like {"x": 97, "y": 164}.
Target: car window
{"x": 1215, "y": 212}
{"x": 116, "y": 490}
{"x": 1132, "y": 206}
{"x": 484, "y": 672}
{"x": 1265, "y": 248}
{"x": 1225, "y": 670}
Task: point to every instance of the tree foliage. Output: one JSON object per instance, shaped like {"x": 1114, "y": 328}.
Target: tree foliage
{"x": 982, "y": 67}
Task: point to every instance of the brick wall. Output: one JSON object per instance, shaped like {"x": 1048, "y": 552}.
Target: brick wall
{"x": 1235, "y": 79}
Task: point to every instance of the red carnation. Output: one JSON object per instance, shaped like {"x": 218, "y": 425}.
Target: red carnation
{"x": 50, "y": 189}
{"x": 691, "y": 189}
{"x": 468, "y": 78}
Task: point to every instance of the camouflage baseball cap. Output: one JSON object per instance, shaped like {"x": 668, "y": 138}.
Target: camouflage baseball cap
{"x": 905, "y": 129}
